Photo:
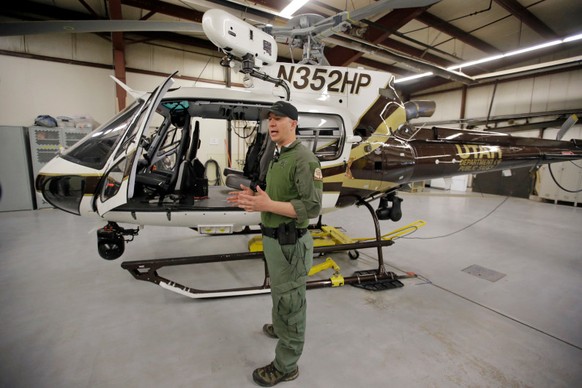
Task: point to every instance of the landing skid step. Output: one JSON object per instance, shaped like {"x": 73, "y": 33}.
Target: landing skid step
{"x": 386, "y": 282}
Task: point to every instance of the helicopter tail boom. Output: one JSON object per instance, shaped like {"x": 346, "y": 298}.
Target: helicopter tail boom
{"x": 442, "y": 158}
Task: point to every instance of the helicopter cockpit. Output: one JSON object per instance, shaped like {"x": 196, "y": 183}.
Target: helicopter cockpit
{"x": 172, "y": 168}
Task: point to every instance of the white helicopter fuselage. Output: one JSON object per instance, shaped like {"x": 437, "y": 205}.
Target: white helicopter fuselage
{"x": 332, "y": 97}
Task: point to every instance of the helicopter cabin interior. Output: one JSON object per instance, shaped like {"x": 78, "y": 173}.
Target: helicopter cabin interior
{"x": 171, "y": 174}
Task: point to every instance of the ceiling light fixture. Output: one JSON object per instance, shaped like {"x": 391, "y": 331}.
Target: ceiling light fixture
{"x": 573, "y": 37}
{"x": 289, "y": 10}
{"x": 532, "y": 69}
{"x": 478, "y": 61}
{"x": 495, "y": 57}
{"x": 412, "y": 77}
{"x": 533, "y": 48}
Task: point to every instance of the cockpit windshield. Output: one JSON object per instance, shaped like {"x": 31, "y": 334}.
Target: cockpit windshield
{"x": 94, "y": 150}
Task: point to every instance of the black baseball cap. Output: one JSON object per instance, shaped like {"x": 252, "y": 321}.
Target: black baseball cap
{"x": 282, "y": 108}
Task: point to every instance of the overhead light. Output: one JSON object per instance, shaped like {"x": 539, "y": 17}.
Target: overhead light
{"x": 574, "y": 37}
{"x": 289, "y": 10}
{"x": 558, "y": 64}
{"x": 412, "y": 77}
{"x": 509, "y": 54}
{"x": 495, "y": 57}
{"x": 473, "y": 63}
{"x": 533, "y": 48}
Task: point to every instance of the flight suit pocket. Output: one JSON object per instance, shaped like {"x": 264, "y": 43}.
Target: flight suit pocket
{"x": 290, "y": 308}
{"x": 299, "y": 256}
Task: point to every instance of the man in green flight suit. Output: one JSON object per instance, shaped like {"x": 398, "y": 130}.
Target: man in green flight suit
{"x": 292, "y": 196}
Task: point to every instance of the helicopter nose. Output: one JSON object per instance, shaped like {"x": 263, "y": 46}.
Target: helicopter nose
{"x": 64, "y": 192}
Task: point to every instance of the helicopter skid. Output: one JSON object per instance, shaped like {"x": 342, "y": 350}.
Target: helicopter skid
{"x": 147, "y": 270}
{"x": 369, "y": 280}
{"x": 373, "y": 280}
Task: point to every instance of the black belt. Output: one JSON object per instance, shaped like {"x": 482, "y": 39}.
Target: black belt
{"x": 274, "y": 232}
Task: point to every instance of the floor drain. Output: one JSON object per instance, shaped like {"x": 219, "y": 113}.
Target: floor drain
{"x": 484, "y": 273}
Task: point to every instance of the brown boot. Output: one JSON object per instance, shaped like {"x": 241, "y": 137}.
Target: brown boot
{"x": 268, "y": 376}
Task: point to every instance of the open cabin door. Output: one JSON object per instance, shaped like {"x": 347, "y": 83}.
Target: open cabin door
{"x": 119, "y": 181}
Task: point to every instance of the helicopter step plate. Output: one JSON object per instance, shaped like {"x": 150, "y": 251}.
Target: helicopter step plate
{"x": 385, "y": 281}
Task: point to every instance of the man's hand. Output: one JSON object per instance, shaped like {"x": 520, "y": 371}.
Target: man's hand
{"x": 260, "y": 201}
{"x": 235, "y": 195}
{"x": 253, "y": 202}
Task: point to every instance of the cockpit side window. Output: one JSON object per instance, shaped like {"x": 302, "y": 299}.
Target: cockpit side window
{"x": 322, "y": 134}
{"x": 94, "y": 150}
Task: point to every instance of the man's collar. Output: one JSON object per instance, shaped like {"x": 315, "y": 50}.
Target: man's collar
{"x": 289, "y": 146}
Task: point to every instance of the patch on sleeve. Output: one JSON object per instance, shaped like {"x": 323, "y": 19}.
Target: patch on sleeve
{"x": 317, "y": 175}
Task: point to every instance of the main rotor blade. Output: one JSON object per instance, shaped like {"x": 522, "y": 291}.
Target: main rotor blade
{"x": 325, "y": 27}
{"x": 84, "y": 26}
{"x": 380, "y": 51}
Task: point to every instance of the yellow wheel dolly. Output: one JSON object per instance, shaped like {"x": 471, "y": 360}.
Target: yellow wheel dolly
{"x": 332, "y": 237}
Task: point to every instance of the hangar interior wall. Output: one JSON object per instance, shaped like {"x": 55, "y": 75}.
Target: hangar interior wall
{"x": 46, "y": 84}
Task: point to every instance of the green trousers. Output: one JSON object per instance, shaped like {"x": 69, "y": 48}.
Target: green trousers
{"x": 288, "y": 266}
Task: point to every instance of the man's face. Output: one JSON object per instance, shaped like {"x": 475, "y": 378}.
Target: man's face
{"x": 281, "y": 129}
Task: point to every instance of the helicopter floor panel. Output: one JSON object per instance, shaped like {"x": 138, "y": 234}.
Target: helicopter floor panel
{"x": 215, "y": 201}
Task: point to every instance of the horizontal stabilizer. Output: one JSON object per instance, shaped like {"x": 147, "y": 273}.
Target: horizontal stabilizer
{"x": 569, "y": 123}
{"x": 136, "y": 94}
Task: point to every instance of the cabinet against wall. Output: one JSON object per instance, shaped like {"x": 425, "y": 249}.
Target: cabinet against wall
{"x": 15, "y": 176}
{"x": 568, "y": 175}
{"x": 45, "y": 144}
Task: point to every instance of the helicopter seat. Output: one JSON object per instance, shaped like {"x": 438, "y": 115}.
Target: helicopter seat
{"x": 191, "y": 181}
{"x": 235, "y": 178}
{"x": 163, "y": 182}
{"x": 193, "y": 184}
{"x": 157, "y": 180}
{"x": 229, "y": 170}
{"x": 257, "y": 162}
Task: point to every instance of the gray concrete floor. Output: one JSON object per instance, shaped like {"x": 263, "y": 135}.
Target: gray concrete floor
{"x": 71, "y": 319}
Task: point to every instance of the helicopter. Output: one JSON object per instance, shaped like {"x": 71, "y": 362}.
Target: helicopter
{"x": 142, "y": 167}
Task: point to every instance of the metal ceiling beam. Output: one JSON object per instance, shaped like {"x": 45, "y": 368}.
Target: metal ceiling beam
{"x": 414, "y": 42}
{"x": 528, "y": 18}
{"x": 432, "y": 82}
{"x": 490, "y": 67}
{"x": 277, "y": 5}
{"x": 180, "y": 39}
{"x": 248, "y": 10}
{"x": 166, "y": 9}
{"x": 416, "y": 64}
{"x": 415, "y": 52}
{"x": 380, "y": 66}
{"x": 88, "y": 8}
{"x": 341, "y": 56}
{"x": 455, "y": 32}
{"x": 30, "y": 10}
{"x": 408, "y": 89}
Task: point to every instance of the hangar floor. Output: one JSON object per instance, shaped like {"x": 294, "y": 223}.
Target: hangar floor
{"x": 70, "y": 319}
